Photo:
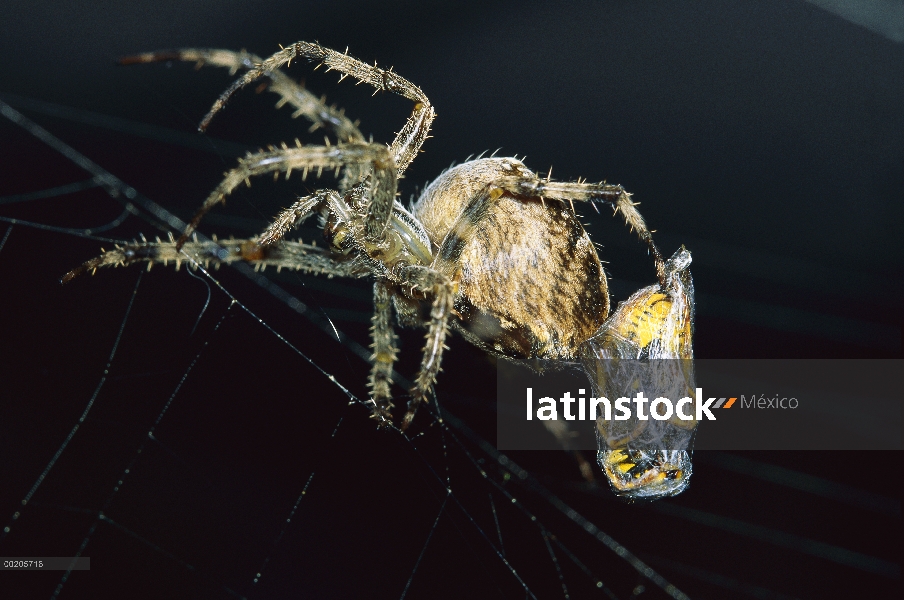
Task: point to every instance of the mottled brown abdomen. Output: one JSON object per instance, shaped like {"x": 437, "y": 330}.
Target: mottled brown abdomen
{"x": 530, "y": 281}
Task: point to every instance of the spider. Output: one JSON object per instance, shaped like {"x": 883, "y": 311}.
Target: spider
{"x": 489, "y": 249}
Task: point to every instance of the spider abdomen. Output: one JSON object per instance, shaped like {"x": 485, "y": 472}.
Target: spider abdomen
{"x": 530, "y": 284}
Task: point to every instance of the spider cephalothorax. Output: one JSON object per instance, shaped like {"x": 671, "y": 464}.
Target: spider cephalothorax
{"x": 489, "y": 248}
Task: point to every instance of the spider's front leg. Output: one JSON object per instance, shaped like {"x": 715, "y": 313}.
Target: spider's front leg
{"x": 614, "y": 195}
{"x": 305, "y": 103}
{"x": 431, "y": 283}
{"x": 292, "y": 93}
{"x": 408, "y": 140}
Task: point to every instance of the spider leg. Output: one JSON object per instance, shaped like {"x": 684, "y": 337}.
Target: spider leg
{"x": 285, "y": 255}
{"x": 292, "y": 217}
{"x": 615, "y": 195}
{"x": 305, "y": 158}
{"x": 463, "y": 230}
{"x": 430, "y": 282}
{"x": 385, "y": 354}
{"x": 409, "y": 139}
{"x": 466, "y": 225}
{"x": 292, "y": 93}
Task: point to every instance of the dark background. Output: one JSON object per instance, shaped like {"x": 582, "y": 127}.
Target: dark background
{"x": 767, "y": 137}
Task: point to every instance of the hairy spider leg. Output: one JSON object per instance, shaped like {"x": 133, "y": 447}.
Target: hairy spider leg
{"x": 287, "y": 255}
{"x": 291, "y": 92}
{"x": 385, "y": 353}
{"x": 290, "y": 218}
{"x": 408, "y": 140}
{"x": 305, "y": 158}
{"x": 429, "y": 282}
{"x": 465, "y": 226}
{"x": 614, "y": 195}
{"x": 463, "y": 230}
{"x": 306, "y": 104}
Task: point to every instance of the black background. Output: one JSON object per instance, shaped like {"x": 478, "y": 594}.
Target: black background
{"x": 767, "y": 137}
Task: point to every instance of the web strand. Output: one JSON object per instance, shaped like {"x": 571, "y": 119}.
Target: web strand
{"x": 81, "y": 420}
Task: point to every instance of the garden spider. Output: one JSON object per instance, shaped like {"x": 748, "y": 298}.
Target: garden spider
{"x": 489, "y": 248}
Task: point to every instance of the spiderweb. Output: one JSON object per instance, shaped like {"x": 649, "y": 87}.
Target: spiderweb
{"x": 205, "y": 433}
